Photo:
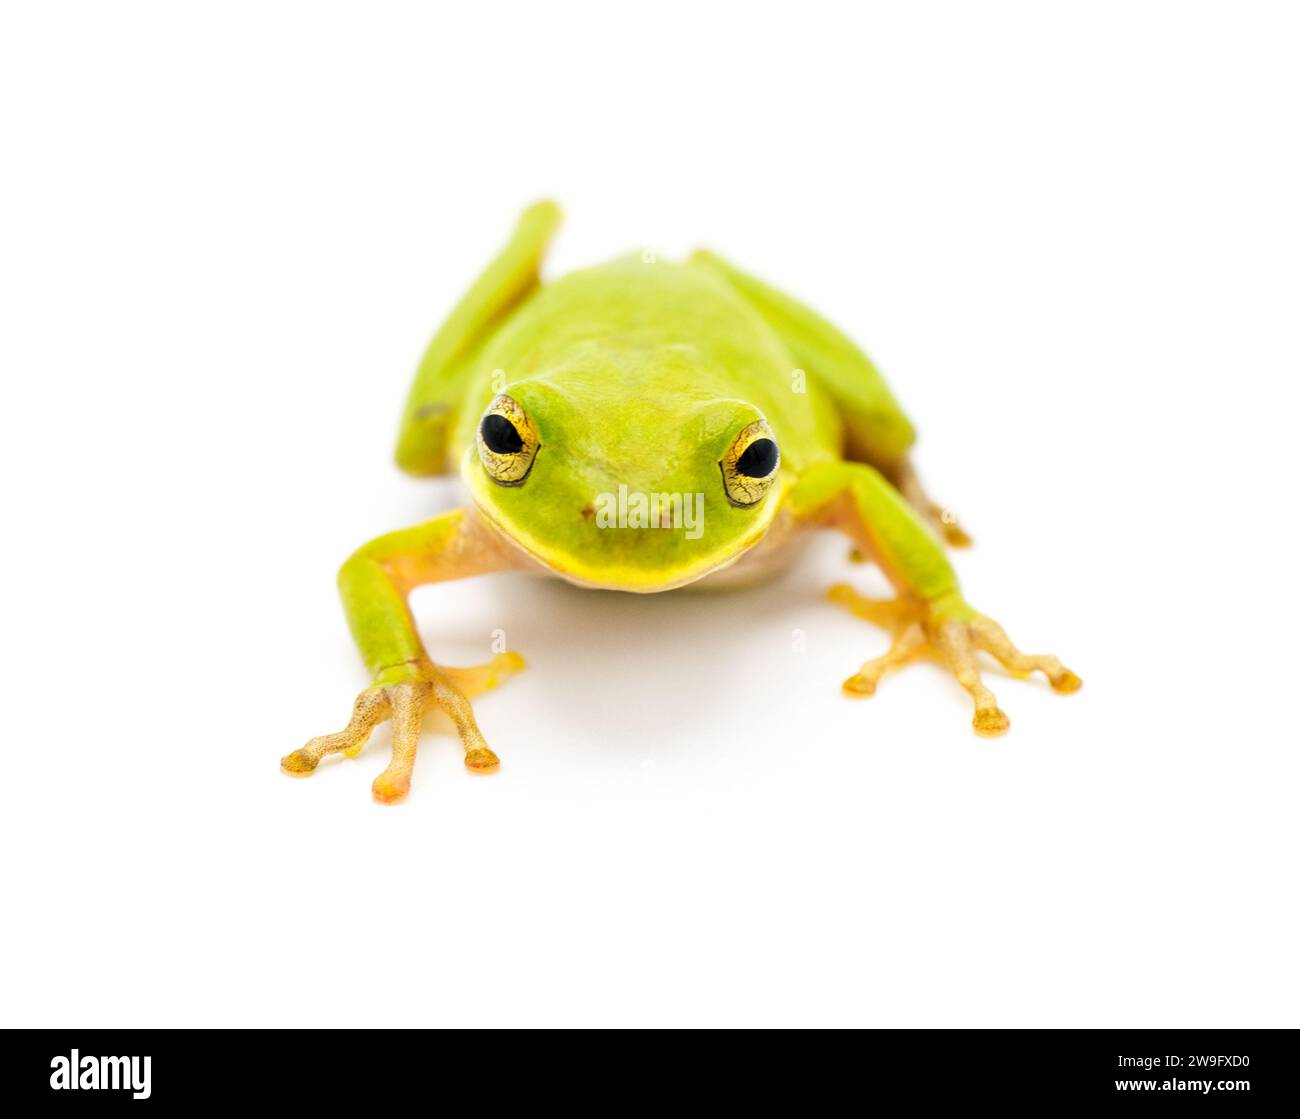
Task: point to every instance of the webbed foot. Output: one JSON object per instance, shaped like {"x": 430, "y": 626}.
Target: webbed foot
{"x": 951, "y": 632}
{"x": 405, "y": 695}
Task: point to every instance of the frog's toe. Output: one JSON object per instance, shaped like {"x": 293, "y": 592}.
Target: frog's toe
{"x": 390, "y": 788}
{"x": 480, "y": 759}
{"x": 370, "y": 708}
{"x": 408, "y": 703}
{"x": 992, "y": 638}
{"x": 1067, "y": 683}
{"x": 990, "y": 722}
{"x": 957, "y": 642}
{"x": 859, "y": 684}
{"x": 480, "y": 678}
{"x": 945, "y": 524}
{"x": 300, "y": 763}
{"x": 952, "y": 640}
{"x": 908, "y": 644}
{"x": 953, "y": 533}
{"x": 890, "y": 613}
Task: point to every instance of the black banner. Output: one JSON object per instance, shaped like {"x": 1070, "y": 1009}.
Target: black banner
{"x": 1237, "y": 1068}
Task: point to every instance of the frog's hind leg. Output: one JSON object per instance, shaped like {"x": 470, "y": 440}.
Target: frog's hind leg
{"x": 449, "y": 363}
{"x": 902, "y": 474}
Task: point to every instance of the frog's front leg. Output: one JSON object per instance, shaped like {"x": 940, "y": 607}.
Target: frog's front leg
{"x": 374, "y": 584}
{"x": 930, "y": 617}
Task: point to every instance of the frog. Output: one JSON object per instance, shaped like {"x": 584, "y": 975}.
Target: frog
{"x": 648, "y": 425}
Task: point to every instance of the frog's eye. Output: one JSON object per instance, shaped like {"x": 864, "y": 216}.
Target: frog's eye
{"x": 750, "y": 465}
{"x": 507, "y": 442}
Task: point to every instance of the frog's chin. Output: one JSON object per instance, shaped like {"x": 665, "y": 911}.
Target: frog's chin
{"x": 621, "y": 577}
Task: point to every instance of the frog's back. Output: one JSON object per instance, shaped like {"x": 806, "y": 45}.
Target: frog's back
{"x": 647, "y": 332}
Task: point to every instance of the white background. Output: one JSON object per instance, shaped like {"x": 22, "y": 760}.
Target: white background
{"x": 1069, "y": 236}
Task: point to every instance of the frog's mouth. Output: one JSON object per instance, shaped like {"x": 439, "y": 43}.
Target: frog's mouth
{"x": 567, "y": 564}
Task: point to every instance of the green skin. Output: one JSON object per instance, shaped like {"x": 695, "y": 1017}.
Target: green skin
{"x": 642, "y": 373}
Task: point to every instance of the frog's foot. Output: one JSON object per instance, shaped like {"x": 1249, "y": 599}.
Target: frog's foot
{"x": 405, "y": 703}
{"x": 942, "y": 520}
{"x": 951, "y": 633}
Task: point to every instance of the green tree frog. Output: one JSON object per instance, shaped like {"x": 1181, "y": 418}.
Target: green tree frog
{"x": 643, "y": 425}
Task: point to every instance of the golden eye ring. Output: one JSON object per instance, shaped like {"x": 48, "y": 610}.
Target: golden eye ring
{"x": 751, "y": 465}
{"x": 507, "y": 442}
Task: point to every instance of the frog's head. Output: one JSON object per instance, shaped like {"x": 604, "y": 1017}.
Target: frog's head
{"x": 641, "y": 495}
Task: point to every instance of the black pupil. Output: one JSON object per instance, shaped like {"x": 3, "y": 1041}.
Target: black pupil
{"x": 500, "y": 435}
{"x": 759, "y": 459}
